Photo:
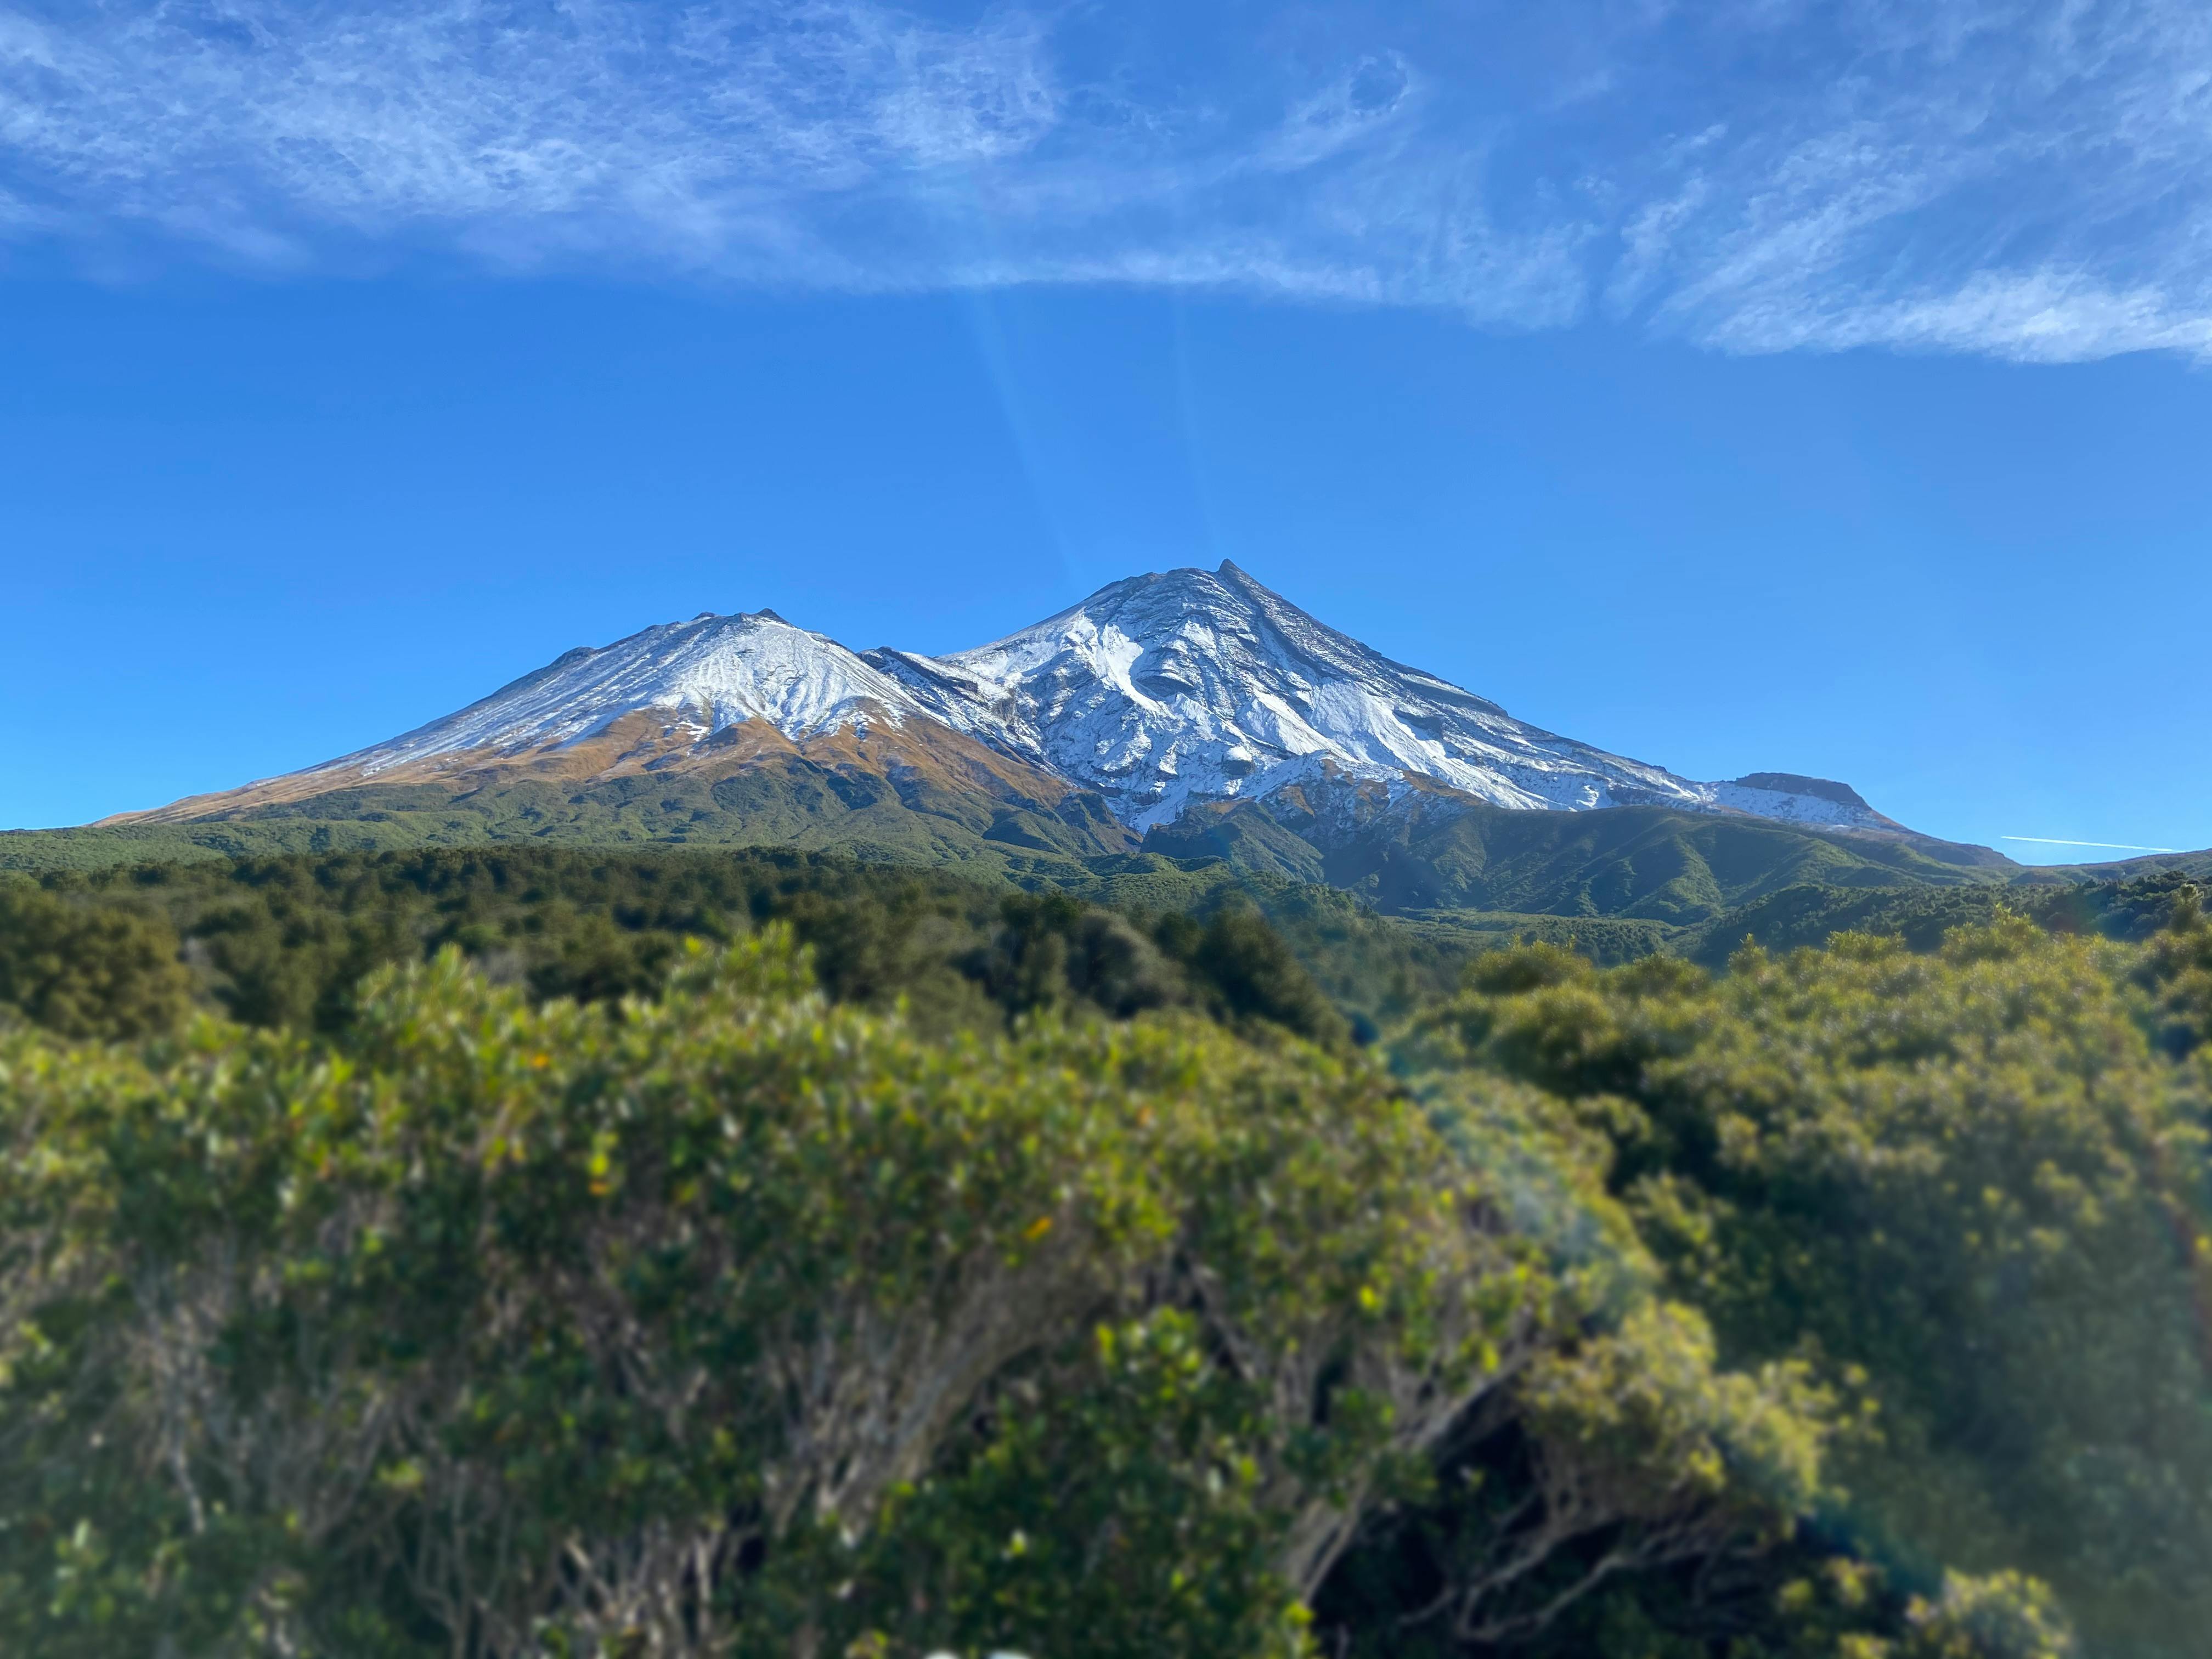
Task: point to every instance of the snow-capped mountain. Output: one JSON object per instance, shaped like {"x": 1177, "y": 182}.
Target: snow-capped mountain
{"x": 1158, "y": 694}
{"x": 1164, "y": 692}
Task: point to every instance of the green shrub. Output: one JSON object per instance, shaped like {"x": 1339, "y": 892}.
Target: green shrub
{"x": 1844, "y": 1305}
{"x": 1969, "y": 1187}
{"x": 729, "y": 1320}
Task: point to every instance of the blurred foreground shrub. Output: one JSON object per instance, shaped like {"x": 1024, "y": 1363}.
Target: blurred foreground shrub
{"x": 1633, "y": 1314}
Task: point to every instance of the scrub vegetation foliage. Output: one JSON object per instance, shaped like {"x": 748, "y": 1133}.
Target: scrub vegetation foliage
{"x": 517, "y": 1254}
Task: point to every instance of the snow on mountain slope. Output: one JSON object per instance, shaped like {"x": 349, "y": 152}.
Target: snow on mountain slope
{"x": 1159, "y": 693}
{"x": 1794, "y": 799}
{"x": 1163, "y": 691}
{"x": 701, "y": 676}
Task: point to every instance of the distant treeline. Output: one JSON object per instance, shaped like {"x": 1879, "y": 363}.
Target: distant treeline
{"x": 285, "y": 942}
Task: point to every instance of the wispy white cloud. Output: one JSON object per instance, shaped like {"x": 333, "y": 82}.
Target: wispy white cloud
{"x": 2110, "y": 846}
{"x": 2030, "y": 178}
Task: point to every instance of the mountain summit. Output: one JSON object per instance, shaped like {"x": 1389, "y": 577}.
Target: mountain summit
{"x": 1157, "y": 698}
{"x": 1163, "y": 692}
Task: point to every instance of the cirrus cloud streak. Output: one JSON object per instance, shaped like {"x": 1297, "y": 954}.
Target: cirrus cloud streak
{"x": 2029, "y": 180}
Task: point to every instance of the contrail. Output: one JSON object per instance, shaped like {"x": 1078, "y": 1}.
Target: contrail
{"x": 2111, "y": 846}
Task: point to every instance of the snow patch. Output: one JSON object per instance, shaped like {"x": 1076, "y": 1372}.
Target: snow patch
{"x": 704, "y": 677}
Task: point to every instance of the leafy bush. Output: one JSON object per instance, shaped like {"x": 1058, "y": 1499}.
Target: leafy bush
{"x": 732, "y": 1317}
{"x": 1967, "y": 1187}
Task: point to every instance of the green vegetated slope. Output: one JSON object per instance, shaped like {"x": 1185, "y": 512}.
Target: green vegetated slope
{"x": 1622, "y": 882}
{"x": 1845, "y": 1304}
{"x": 1635, "y": 881}
{"x": 1674, "y": 869}
{"x": 2197, "y": 867}
{"x": 793, "y": 802}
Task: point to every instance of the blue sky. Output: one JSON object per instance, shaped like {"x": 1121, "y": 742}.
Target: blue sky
{"x": 1754, "y": 385}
